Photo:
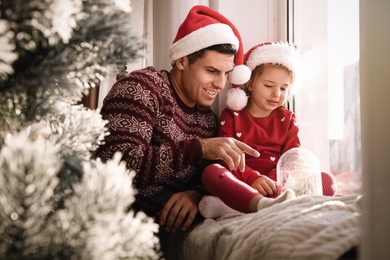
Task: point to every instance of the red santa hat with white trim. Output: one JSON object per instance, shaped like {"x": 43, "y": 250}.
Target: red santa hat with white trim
{"x": 205, "y": 27}
{"x": 278, "y": 53}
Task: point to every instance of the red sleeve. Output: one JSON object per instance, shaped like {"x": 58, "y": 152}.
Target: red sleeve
{"x": 292, "y": 139}
{"x": 248, "y": 176}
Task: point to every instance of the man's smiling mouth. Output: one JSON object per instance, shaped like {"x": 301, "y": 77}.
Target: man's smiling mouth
{"x": 211, "y": 92}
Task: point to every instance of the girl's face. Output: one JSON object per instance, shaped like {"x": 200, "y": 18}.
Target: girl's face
{"x": 269, "y": 89}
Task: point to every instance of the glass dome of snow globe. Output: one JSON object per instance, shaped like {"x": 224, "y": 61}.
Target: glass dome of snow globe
{"x": 299, "y": 169}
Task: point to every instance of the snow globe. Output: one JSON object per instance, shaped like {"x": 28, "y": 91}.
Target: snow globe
{"x": 299, "y": 169}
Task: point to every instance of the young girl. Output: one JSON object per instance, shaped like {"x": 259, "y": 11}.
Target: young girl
{"x": 262, "y": 122}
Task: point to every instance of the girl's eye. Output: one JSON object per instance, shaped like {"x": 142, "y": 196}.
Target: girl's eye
{"x": 268, "y": 86}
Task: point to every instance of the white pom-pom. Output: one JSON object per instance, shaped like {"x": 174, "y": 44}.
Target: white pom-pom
{"x": 236, "y": 99}
{"x": 240, "y": 75}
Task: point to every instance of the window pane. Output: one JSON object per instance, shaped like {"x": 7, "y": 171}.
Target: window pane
{"x": 327, "y": 100}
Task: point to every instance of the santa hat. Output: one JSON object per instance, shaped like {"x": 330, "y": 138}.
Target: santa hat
{"x": 284, "y": 54}
{"x": 205, "y": 27}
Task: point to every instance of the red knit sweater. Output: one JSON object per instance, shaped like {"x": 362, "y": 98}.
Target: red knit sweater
{"x": 158, "y": 136}
{"x": 271, "y": 136}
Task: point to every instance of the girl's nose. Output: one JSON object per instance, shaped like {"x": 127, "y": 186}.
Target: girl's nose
{"x": 276, "y": 92}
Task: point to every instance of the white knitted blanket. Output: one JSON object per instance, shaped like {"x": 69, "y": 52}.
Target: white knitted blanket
{"x": 308, "y": 227}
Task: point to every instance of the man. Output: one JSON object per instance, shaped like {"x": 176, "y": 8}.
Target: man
{"x": 162, "y": 123}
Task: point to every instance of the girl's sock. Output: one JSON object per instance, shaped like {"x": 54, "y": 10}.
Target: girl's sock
{"x": 213, "y": 207}
{"x": 267, "y": 202}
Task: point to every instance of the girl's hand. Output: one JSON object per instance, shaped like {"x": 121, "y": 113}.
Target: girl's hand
{"x": 265, "y": 186}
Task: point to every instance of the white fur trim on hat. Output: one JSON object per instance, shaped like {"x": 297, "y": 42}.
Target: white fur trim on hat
{"x": 201, "y": 38}
{"x": 236, "y": 98}
{"x": 275, "y": 53}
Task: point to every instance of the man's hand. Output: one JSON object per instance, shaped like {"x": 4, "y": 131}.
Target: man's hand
{"x": 181, "y": 206}
{"x": 228, "y": 149}
{"x": 265, "y": 186}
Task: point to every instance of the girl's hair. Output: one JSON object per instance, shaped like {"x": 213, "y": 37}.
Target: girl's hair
{"x": 258, "y": 71}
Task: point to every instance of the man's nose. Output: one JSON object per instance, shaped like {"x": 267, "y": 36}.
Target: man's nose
{"x": 220, "y": 81}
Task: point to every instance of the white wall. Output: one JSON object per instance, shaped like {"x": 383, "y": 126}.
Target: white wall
{"x": 375, "y": 118}
{"x": 253, "y": 19}
{"x": 167, "y": 17}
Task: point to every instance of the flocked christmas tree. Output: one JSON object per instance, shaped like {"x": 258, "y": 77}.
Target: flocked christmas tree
{"x": 56, "y": 200}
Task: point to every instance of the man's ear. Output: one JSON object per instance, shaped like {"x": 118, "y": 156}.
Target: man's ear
{"x": 181, "y": 62}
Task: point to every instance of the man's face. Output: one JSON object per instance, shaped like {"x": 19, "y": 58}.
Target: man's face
{"x": 202, "y": 80}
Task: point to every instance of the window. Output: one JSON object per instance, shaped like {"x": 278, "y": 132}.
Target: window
{"x": 327, "y": 101}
